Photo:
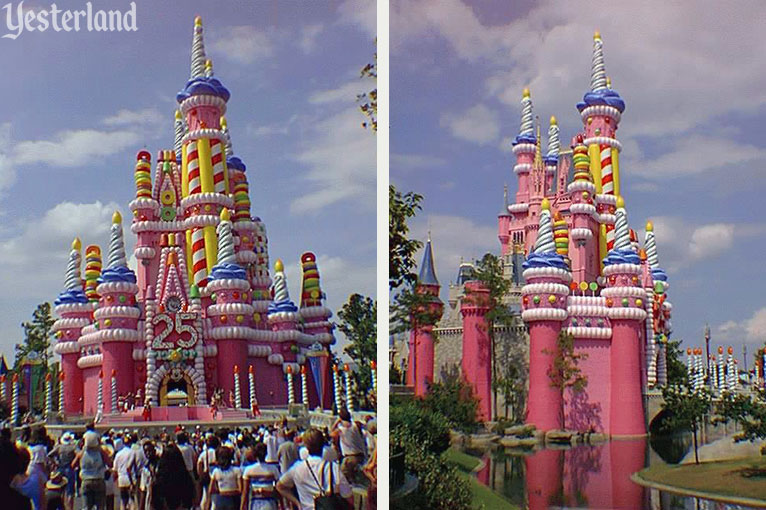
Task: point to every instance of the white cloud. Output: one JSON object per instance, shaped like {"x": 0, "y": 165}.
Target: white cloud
{"x": 7, "y": 170}
{"x": 345, "y": 93}
{"x": 478, "y": 124}
{"x": 359, "y": 13}
{"x": 415, "y": 161}
{"x": 709, "y": 241}
{"x": 453, "y": 238}
{"x": 751, "y": 330}
{"x": 242, "y": 44}
{"x": 309, "y": 35}
{"x": 75, "y": 147}
{"x": 35, "y": 258}
{"x": 658, "y": 60}
{"x": 340, "y": 157}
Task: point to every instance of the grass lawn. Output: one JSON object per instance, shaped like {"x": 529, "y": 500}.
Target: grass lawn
{"x": 482, "y": 495}
{"x": 724, "y": 478}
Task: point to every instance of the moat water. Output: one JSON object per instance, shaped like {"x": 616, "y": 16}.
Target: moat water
{"x": 587, "y": 476}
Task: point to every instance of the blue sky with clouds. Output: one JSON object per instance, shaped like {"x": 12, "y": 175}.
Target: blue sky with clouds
{"x": 693, "y": 80}
{"x": 78, "y": 106}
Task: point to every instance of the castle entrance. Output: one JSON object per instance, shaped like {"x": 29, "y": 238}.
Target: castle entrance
{"x": 177, "y": 390}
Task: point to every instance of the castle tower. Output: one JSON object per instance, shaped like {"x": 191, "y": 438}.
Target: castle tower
{"x": 283, "y": 318}
{"x": 524, "y": 148}
{"x": 205, "y": 179}
{"x": 116, "y": 327}
{"x": 316, "y": 322}
{"x": 477, "y": 350}
{"x": 584, "y": 253}
{"x": 660, "y": 307}
{"x": 544, "y": 310}
{"x": 420, "y": 372}
{"x": 75, "y": 312}
{"x": 146, "y": 208}
{"x": 504, "y": 225}
{"x": 601, "y": 110}
{"x": 552, "y": 156}
{"x": 625, "y": 304}
{"x": 231, "y": 311}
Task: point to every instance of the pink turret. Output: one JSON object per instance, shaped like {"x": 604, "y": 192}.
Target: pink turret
{"x": 75, "y": 311}
{"x": 146, "y": 208}
{"x": 544, "y": 310}
{"x": 625, "y": 296}
{"x": 420, "y": 372}
{"x": 584, "y": 231}
{"x": 524, "y": 149}
{"x": 477, "y": 351}
{"x": 552, "y": 156}
{"x": 283, "y": 319}
{"x": 316, "y": 322}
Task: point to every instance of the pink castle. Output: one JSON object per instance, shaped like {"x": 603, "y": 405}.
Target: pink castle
{"x": 583, "y": 272}
{"x": 201, "y": 313}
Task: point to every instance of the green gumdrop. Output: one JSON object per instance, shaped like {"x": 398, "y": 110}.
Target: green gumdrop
{"x": 536, "y": 300}
{"x": 659, "y": 288}
{"x": 625, "y": 302}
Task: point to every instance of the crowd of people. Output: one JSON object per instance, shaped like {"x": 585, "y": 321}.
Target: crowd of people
{"x": 276, "y": 467}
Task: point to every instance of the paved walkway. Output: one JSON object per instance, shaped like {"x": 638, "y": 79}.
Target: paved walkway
{"x": 725, "y": 449}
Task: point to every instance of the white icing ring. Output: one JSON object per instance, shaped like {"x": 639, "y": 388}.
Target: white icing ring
{"x": 547, "y": 272}
{"x": 604, "y": 140}
{"x": 227, "y": 284}
{"x": 590, "y": 332}
{"x": 524, "y": 148}
{"x": 90, "y": 360}
{"x": 580, "y": 234}
{"x": 202, "y": 100}
{"x": 258, "y": 351}
{"x": 601, "y": 109}
{"x": 620, "y": 292}
{"x": 544, "y": 314}
{"x": 581, "y": 208}
{"x": 518, "y": 208}
{"x": 130, "y": 312}
{"x": 522, "y": 168}
{"x": 545, "y": 288}
{"x": 630, "y": 269}
{"x": 627, "y": 313}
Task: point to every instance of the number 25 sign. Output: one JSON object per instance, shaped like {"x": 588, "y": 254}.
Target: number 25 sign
{"x": 174, "y": 326}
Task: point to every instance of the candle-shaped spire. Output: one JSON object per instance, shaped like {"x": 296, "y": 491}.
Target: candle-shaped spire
{"x": 198, "y": 51}
{"x": 650, "y": 245}
{"x": 208, "y": 68}
{"x": 281, "y": 293}
{"x": 227, "y": 136}
{"x": 73, "y": 280}
{"x": 225, "y": 239}
{"x": 544, "y": 242}
{"x": 526, "y": 130}
{"x": 116, "y": 257}
{"x": 554, "y": 144}
{"x": 598, "y": 71}
{"x": 622, "y": 232}
{"x": 180, "y": 131}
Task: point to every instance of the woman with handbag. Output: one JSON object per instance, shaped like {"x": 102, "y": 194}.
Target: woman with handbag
{"x": 260, "y": 480}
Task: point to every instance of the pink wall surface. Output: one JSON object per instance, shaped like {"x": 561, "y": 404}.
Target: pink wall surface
{"x": 589, "y": 409}
{"x": 544, "y": 404}
{"x": 73, "y": 389}
{"x": 627, "y": 411}
{"x": 476, "y": 363}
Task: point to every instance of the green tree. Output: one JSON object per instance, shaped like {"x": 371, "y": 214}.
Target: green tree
{"x": 489, "y": 271}
{"x": 565, "y": 371}
{"x": 358, "y": 322}
{"x": 37, "y": 337}
{"x": 677, "y": 374}
{"x": 453, "y": 399}
{"x": 686, "y": 409}
{"x": 747, "y": 410}
{"x": 368, "y": 101}
{"x": 401, "y": 249}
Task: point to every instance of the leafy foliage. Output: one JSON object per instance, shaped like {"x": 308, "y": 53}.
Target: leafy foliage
{"x": 358, "y": 322}
{"x": 686, "y": 409}
{"x": 37, "y": 336}
{"x": 424, "y": 435}
{"x": 748, "y": 411}
{"x": 489, "y": 271}
{"x": 368, "y": 101}
{"x": 410, "y": 309}
{"x": 401, "y": 249}
{"x": 565, "y": 371}
{"x": 677, "y": 374}
{"x": 454, "y": 399}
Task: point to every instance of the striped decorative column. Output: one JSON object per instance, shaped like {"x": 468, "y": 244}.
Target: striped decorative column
{"x": 349, "y": 389}
{"x": 113, "y": 392}
{"x": 48, "y": 395}
{"x": 721, "y": 370}
{"x": 15, "y": 400}
{"x": 374, "y": 374}
{"x": 100, "y": 393}
{"x": 290, "y": 388}
{"x": 304, "y": 387}
{"x": 219, "y": 168}
{"x": 3, "y": 389}
{"x": 336, "y": 384}
{"x": 62, "y": 376}
{"x": 251, "y": 385}
{"x": 237, "y": 393}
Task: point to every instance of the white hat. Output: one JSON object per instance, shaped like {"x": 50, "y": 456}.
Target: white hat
{"x": 67, "y": 438}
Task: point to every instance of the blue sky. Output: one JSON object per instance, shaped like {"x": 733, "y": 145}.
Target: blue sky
{"x": 693, "y": 80}
{"x": 78, "y": 106}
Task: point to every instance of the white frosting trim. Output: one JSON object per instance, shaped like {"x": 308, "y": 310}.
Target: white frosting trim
{"x": 588, "y": 209}
{"x": 246, "y": 257}
{"x": 110, "y": 287}
{"x": 518, "y": 208}
{"x": 587, "y": 311}
{"x": 580, "y": 233}
{"x": 73, "y": 322}
{"x": 230, "y": 309}
{"x": 296, "y": 368}
{"x": 604, "y": 140}
{"x": 227, "y": 284}
{"x": 601, "y": 198}
{"x": 74, "y": 308}
{"x": 586, "y": 300}
{"x": 258, "y": 351}
{"x": 144, "y": 203}
{"x": 117, "y": 311}
{"x": 261, "y": 306}
{"x": 203, "y": 100}
{"x": 316, "y": 311}
{"x": 545, "y": 288}
{"x": 622, "y": 269}
{"x": 581, "y": 185}
{"x": 601, "y": 109}
{"x": 590, "y": 332}
{"x": 276, "y": 317}
{"x": 111, "y": 335}
{"x": 607, "y": 218}
{"x": 547, "y": 272}
{"x": 276, "y": 359}
{"x": 263, "y": 282}
{"x": 90, "y": 360}
{"x": 139, "y": 354}
{"x": 620, "y": 292}
{"x": 202, "y": 220}
{"x": 524, "y": 147}
{"x": 544, "y": 314}
{"x": 158, "y": 226}
{"x": 207, "y": 197}
{"x": 245, "y": 225}
{"x": 66, "y": 347}
{"x": 145, "y": 252}
{"x": 627, "y": 313}
{"x": 522, "y": 168}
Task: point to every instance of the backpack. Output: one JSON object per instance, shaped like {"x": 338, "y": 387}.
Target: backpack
{"x": 324, "y": 501}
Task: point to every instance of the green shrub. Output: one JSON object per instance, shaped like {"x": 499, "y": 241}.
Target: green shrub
{"x": 454, "y": 399}
{"x": 413, "y": 425}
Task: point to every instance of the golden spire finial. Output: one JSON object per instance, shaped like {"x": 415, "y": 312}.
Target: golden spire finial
{"x": 596, "y": 35}
{"x": 608, "y": 82}
{"x": 76, "y": 244}
{"x": 553, "y": 120}
{"x": 525, "y": 92}
{"x": 538, "y": 150}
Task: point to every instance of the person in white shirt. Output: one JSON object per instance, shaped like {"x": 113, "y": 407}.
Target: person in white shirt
{"x": 148, "y": 475}
{"x": 272, "y": 446}
{"x": 125, "y": 467}
{"x": 225, "y": 481}
{"x": 313, "y": 477}
{"x": 287, "y": 453}
{"x": 353, "y": 447}
{"x": 205, "y": 465}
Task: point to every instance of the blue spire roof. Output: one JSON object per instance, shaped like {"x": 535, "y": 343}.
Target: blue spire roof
{"x": 427, "y": 274}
